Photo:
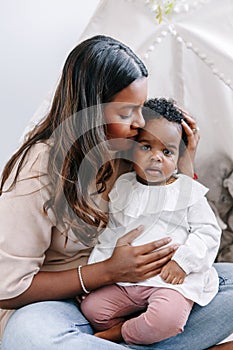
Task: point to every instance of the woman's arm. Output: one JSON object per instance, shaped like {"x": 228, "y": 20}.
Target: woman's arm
{"x": 127, "y": 263}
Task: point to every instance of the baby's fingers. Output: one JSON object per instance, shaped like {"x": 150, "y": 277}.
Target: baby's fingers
{"x": 164, "y": 274}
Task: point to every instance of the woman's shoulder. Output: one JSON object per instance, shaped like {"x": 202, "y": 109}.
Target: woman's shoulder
{"x": 34, "y": 169}
{"x": 35, "y": 162}
{"x": 37, "y": 158}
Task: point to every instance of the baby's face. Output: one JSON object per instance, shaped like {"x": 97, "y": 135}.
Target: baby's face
{"x": 157, "y": 150}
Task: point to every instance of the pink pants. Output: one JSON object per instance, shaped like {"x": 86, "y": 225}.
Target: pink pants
{"x": 163, "y": 312}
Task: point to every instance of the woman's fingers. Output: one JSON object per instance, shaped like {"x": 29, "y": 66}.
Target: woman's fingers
{"x": 192, "y": 132}
{"x": 186, "y": 161}
{"x": 137, "y": 263}
{"x": 191, "y": 129}
{"x": 190, "y": 124}
{"x": 150, "y": 247}
{"x": 130, "y": 236}
{"x": 154, "y": 268}
{"x": 152, "y": 263}
{"x": 191, "y": 121}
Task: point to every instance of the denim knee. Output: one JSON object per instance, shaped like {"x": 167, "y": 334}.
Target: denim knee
{"x": 53, "y": 325}
{"x": 42, "y": 326}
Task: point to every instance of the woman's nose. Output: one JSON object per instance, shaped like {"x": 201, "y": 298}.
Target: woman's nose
{"x": 139, "y": 121}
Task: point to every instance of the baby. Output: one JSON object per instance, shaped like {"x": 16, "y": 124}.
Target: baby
{"x": 166, "y": 204}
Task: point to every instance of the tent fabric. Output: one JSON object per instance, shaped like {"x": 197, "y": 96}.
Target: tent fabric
{"x": 189, "y": 56}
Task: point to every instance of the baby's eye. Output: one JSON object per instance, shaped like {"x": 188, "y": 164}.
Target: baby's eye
{"x": 167, "y": 152}
{"x": 145, "y": 147}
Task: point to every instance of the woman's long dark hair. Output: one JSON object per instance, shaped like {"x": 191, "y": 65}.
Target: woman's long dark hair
{"x": 95, "y": 70}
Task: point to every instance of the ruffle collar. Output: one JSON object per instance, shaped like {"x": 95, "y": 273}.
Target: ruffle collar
{"x": 134, "y": 199}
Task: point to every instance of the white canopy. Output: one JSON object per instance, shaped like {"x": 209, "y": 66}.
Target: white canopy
{"x": 189, "y": 56}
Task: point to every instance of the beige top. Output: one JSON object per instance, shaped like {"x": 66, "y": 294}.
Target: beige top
{"x": 31, "y": 240}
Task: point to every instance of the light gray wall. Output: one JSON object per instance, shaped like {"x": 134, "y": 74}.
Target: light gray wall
{"x": 35, "y": 39}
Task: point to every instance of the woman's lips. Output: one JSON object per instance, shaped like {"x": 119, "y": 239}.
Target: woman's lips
{"x": 133, "y": 138}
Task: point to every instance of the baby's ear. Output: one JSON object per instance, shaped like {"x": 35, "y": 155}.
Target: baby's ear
{"x": 228, "y": 183}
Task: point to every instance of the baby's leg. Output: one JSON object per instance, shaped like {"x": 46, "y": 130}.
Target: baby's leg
{"x": 108, "y": 306}
{"x": 166, "y": 316}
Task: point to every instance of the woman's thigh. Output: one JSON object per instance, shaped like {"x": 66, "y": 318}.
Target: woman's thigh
{"x": 53, "y": 325}
{"x": 206, "y": 325}
{"x": 61, "y": 326}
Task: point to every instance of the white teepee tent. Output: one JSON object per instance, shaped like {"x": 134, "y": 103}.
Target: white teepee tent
{"x": 189, "y": 56}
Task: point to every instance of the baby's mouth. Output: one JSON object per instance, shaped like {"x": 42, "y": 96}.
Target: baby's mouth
{"x": 154, "y": 171}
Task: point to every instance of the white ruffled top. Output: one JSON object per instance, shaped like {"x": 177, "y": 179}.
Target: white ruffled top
{"x": 135, "y": 199}
{"x": 179, "y": 210}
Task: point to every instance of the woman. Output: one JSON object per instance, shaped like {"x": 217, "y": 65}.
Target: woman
{"x": 52, "y": 208}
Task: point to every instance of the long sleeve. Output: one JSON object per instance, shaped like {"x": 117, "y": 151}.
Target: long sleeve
{"x": 26, "y": 230}
{"x": 200, "y": 249}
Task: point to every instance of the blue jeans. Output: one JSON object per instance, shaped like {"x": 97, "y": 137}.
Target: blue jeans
{"x": 59, "y": 325}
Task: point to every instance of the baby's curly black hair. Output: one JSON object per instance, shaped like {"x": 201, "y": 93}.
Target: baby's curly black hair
{"x": 156, "y": 108}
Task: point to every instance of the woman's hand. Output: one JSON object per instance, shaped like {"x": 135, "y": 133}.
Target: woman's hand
{"x": 186, "y": 161}
{"x": 137, "y": 263}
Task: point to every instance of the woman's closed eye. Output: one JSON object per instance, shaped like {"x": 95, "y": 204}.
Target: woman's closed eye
{"x": 125, "y": 116}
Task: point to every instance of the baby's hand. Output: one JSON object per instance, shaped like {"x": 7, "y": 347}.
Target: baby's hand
{"x": 173, "y": 273}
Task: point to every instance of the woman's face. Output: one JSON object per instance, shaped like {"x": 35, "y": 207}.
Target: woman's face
{"x": 123, "y": 115}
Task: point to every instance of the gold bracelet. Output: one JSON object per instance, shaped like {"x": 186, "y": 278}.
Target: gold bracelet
{"x": 81, "y": 280}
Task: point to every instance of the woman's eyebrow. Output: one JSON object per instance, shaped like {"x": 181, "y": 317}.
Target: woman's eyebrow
{"x": 130, "y": 105}
{"x": 143, "y": 140}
